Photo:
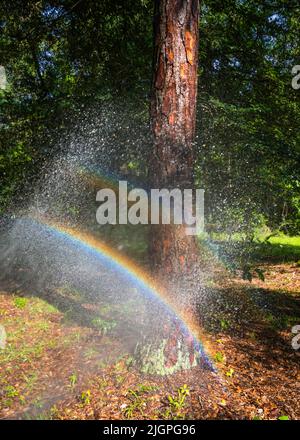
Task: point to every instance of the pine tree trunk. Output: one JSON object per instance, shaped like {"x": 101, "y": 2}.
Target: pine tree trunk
{"x": 173, "y": 116}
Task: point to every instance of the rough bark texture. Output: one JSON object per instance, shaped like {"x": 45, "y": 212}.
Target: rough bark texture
{"x": 173, "y": 115}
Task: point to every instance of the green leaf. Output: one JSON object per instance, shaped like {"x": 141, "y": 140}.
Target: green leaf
{"x": 260, "y": 274}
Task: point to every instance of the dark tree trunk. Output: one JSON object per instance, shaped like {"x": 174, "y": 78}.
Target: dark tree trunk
{"x": 173, "y": 116}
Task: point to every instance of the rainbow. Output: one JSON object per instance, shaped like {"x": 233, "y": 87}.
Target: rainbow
{"x": 97, "y": 178}
{"x": 135, "y": 273}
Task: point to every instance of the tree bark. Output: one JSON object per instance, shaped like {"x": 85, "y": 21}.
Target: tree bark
{"x": 173, "y": 117}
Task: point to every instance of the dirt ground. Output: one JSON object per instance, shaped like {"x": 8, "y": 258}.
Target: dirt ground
{"x": 54, "y": 368}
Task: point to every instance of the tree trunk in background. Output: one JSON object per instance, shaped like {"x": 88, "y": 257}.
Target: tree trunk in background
{"x": 173, "y": 116}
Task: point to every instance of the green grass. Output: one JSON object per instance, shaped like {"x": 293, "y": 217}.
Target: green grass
{"x": 20, "y": 302}
{"x": 39, "y": 306}
{"x": 281, "y": 248}
{"x": 286, "y": 240}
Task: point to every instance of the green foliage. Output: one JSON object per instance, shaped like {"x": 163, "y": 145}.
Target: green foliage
{"x": 60, "y": 57}
{"x": 247, "y": 52}
{"x": 260, "y": 274}
{"x": 137, "y": 400}
{"x": 20, "y": 302}
{"x": 11, "y": 391}
{"x": 63, "y": 58}
{"x": 177, "y": 403}
{"x": 85, "y": 397}
{"x": 248, "y": 270}
{"x": 136, "y": 404}
{"x": 225, "y": 324}
{"x": 102, "y": 325}
{"x": 146, "y": 388}
{"x": 219, "y": 357}
{"x": 282, "y": 321}
{"x": 230, "y": 372}
{"x": 73, "y": 380}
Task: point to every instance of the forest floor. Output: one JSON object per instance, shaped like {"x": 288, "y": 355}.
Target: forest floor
{"x": 54, "y": 368}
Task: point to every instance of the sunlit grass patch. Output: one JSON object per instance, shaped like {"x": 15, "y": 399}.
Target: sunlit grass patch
{"x": 39, "y": 306}
{"x": 279, "y": 248}
{"x": 286, "y": 240}
{"x": 20, "y": 302}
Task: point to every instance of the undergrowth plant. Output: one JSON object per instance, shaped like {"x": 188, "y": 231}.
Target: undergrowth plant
{"x": 177, "y": 404}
